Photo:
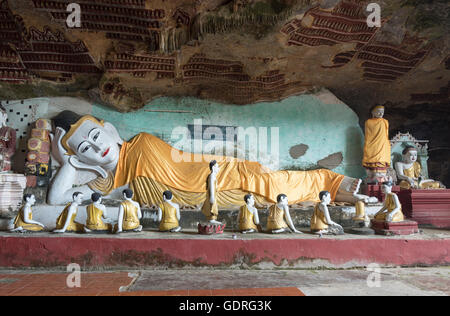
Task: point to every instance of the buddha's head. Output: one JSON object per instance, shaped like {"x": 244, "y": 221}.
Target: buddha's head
{"x": 249, "y": 199}
{"x": 282, "y": 199}
{"x": 78, "y": 197}
{"x": 29, "y": 199}
{"x": 377, "y": 111}
{"x": 325, "y": 197}
{"x": 409, "y": 154}
{"x": 167, "y": 196}
{"x": 91, "y": 143}
{"x": 214, "y": 167}
{"x": 3, "y": 116}
{"x": 387, "y": 187}
{"x": 96, "y": 198}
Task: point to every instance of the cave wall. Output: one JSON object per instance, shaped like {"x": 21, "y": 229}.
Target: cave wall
{"x": 305, "y": 132}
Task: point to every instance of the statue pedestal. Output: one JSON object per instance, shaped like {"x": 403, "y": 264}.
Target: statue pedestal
{"x": 210, "y": 229}
{"x": 396, "y": 228}
{"x": 427, "y": 207}
{"x": 11, "y": 191}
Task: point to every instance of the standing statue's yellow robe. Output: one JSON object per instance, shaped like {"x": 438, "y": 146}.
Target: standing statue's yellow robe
{"x": 150, "y": 166}
{"x": 377, "y": 147}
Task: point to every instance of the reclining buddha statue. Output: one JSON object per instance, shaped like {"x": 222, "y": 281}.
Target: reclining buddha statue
{"x": 149, "y": 166}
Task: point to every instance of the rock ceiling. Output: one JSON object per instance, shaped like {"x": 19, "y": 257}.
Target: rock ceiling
{"x": 127, "y": 52}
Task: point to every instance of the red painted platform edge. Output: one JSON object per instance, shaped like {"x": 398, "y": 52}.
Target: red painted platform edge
{"x": 177, "y": 253}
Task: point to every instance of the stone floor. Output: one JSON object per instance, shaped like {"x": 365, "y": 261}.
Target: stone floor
{"x": 392, "y": 281}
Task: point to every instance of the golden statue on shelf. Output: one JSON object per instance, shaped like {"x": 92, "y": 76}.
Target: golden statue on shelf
{"x": 279, "y": 219}
{"x": 409, "y": 172}
{"x": 392, "y": 209}
{"x": 129, "y": 215}
{"x": 95, "y": 212}
{"x": 211, "y": 208}
{"x": 169, "y": 214}
{"x": 377, "y": 147}
{"x": 66, "y": 221}
{"x": 24, "y": 220}
{"x": 321, "y": 222}
{"x": 248, "y": 216}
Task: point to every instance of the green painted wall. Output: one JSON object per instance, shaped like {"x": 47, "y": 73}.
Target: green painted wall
{"x": 325, "y": 128}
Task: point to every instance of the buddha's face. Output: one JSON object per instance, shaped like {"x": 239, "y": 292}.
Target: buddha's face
{"x": 327, "y": 198}
{"x": 378, "y": 112}
{"x": 93, "y": 145}
{"x": 78, "y": 199}
{"x": 251, "y": 201}
{"x": 410, "y": 156}
{"x": 31, "y": 200}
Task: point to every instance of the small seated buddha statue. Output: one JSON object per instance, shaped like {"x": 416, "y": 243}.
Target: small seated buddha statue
{"x": 66, "y": 220}
{"x": 24, "y": 220}
{"x": 211, "y": 208}
{"x": 276, "y": 223}
{"x": 409, "y": 172}
{"x": 321, "y": 222}
{"x": 129, "y": 214}
{"x": 169, "y": 214}
{"x": 248, "y": 216}
{"x": 392, "y": 209}
{"x": 95, "y": 212}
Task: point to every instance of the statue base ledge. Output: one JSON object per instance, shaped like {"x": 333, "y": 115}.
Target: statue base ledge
{"x": 230, "y": 250}
{"x": 396, "y": 228}
{"x": 210, "y": 229}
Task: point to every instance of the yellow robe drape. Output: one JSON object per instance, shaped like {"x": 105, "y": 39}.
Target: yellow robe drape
{"x": 20, "y": 222}
{"x": 414, "y": 172}
{"x": 390, "y": 204}
{"x": 377, "y": 147}
{"x": 169, "y": 218}
{"x": 73, "y": 226}
{"x": 148, "y": 164}
{"x": 318, "y": 220}
{"x": 94, "y": 219}
{"x": 275, "y": 220}
{"x": 246, "y": 219}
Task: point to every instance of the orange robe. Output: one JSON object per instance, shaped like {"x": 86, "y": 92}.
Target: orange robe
{"x": 377, "y": 147}
{"x": 150, "y": 165}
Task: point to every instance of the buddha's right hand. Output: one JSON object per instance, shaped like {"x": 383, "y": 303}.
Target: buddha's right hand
{"x": 58, "y": 151}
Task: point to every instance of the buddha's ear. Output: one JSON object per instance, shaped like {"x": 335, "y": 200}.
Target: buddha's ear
{"x": 74, "y": 161}
{"x": 111, "y": 130}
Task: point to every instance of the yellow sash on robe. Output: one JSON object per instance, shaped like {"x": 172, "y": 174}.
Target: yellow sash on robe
{"x": 414, "y": 172}
{"x": 169, "y": 218}
{"x": 130, "y": 216}
{"x": 246, "y": 219}
{"x": 318, "y": 220}
{"x": 147, "y": 164}
{"x": 275, "y": 219}
{"x": 73, "y": 226}
{"x": 20, "y": 222}
{"x": 94, "y": 219}
{"x": 377, "y": 147}
{"x": 390, "y": 204}
{"x": 211, "y": 211}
